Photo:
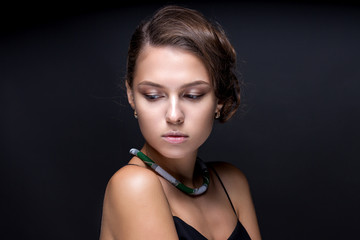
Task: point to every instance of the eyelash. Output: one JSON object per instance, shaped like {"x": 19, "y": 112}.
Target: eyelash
{"x": 152, "y": 97}
{"x": 191, "y": 97}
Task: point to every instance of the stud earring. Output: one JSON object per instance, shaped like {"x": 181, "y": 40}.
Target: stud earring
{"x": 135, "y": 114}
{"x": 217, "y": 114}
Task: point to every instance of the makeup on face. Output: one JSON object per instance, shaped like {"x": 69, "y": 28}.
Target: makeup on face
{"x": 175, "y": 137}
{"x": 192, "y": 91}
{"x": 174, "y": 100}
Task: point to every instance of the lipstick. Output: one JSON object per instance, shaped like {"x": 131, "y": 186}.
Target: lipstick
{"x": 175, "y": 137}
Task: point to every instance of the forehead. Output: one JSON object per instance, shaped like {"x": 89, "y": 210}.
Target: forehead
{"x": 169, "y": 65}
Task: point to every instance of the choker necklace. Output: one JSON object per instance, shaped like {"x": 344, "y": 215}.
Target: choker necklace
{"x": 171, "y": 179}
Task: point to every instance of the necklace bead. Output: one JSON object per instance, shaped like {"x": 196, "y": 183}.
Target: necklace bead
{"x": 191, "y": 191}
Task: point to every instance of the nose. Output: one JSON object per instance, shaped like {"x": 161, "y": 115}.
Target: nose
{"x": 174, "y": 114}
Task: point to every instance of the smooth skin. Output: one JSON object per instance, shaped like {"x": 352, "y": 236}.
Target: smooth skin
{"x": 175, "y": 102}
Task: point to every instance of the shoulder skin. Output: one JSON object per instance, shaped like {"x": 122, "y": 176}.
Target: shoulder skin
{"x": 135, "y": 207}
{"x": 238, "y": 189}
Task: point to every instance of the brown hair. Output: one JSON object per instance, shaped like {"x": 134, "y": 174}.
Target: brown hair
{"x": 189, "y": 30}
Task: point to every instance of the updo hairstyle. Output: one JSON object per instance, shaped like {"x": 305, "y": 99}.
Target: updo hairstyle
{"x": 189, "y": 30}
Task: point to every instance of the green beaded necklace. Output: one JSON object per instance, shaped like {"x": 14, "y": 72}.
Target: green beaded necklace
{"x": 171, "y": 179}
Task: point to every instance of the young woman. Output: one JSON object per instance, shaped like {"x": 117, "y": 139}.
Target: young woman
{"x": 180, "y": 77}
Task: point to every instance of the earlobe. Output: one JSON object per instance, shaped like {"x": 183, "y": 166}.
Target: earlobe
{"x": 219, "y": 107}
{"x": 130, "y": 95}
{"x": 217, "y": 110}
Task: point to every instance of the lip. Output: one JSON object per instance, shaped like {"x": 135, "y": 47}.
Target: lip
{"x": 175, "y": 137}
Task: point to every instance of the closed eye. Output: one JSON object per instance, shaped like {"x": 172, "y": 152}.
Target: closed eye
{"x": 193, "y": 96}
{"x": 152, "y": 96}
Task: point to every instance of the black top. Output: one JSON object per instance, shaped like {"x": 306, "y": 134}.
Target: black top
{"x": 187, "y": 232}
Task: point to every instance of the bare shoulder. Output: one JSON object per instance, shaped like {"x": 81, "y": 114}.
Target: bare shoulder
{"x": 233, "y": 178}
{"x": 135, "y": 207}
{"x": 235, "y": 183}
{"x": 134, "y": 178}
{"x": 238, "y": 189}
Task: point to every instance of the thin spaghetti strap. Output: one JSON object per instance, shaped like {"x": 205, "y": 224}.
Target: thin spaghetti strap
{"x": 222, "y": 184}
{"x": 133, "y": 164}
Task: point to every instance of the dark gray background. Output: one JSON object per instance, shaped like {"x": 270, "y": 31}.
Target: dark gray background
{"x": 66, "y": 126}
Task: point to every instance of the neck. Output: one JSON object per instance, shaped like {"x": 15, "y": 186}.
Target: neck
{"x": 182, "y": 168}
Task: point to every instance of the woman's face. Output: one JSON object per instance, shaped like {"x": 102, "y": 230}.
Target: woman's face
{"x": 174, "y": 100}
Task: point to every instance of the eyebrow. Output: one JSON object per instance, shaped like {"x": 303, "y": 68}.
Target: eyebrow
{"x": 195, "y": 83}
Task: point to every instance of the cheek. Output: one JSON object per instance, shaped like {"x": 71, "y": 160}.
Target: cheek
{"x": 202, "y": 121}
{"x": 204, "y": 116}
{"x": 148, "y": 120}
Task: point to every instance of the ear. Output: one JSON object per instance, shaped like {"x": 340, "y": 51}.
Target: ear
{"x": 130, "y": 95}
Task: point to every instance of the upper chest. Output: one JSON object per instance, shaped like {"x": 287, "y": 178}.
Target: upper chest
{"x": 210, "y": 214}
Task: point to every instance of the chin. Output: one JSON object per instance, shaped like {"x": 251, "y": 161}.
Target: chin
{"x": 175, "y": 152}
{"x": 185, "y": 151}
